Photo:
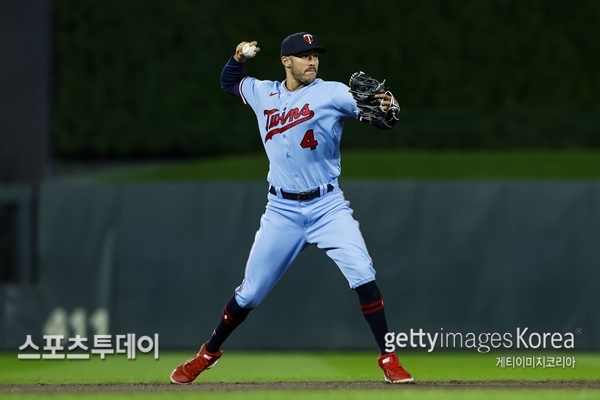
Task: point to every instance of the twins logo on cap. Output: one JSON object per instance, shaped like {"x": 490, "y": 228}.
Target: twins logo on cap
{"x": 308, "y": 38}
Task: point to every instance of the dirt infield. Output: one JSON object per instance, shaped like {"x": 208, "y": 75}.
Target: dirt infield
{"x": 270, "y": 386}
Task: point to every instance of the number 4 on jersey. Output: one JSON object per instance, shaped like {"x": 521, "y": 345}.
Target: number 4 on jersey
{"x": 309, "y": 141}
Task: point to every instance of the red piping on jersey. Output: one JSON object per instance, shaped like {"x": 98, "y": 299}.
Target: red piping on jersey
{"x": 240, "y": 90}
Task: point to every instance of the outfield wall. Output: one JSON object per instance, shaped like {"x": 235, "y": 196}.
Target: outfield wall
{"x": 451, "y": 257}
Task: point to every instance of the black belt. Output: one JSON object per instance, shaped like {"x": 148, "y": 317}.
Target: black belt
{"x": 302, "y": 196}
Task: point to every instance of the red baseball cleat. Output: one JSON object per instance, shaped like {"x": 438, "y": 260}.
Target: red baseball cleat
{"x": 393, "y": 370}
{"x": 189, "y": 370}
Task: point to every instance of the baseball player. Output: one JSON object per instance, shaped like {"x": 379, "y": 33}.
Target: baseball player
{"x": 300, "y": 122}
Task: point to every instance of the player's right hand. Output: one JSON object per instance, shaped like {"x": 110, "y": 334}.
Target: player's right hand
{"x": 239, "y": 56}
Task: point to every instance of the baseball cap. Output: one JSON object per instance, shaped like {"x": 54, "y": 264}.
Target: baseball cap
{"x": 299, "y": 42}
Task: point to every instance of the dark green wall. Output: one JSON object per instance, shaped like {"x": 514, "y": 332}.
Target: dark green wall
{"x": 462, "y": 257}
{"x": 141, "y": 78}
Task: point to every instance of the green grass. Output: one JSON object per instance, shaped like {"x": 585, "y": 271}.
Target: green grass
{"x": 332, "y": 395}
{"x": 565, "y": 165}
{"x": 298, "y": 367}
{"x": 294, "y": 366}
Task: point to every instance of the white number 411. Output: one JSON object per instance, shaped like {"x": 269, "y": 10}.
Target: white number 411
{"x": 61, "y": 323}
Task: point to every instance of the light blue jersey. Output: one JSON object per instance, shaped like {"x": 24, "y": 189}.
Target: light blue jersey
{"x": 300, "y": 130}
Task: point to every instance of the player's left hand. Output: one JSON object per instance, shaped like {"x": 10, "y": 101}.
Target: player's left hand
{"x": 386, "y": 100}
{"x": 375, "y": 102}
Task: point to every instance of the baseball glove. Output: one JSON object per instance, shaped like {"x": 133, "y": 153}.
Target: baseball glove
{"x": 364, "y": 88}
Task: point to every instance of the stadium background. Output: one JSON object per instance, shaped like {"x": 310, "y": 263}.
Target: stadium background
{"x": 111, "y": 82}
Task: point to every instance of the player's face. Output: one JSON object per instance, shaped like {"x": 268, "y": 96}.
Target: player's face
{"x": 304, "y": 67}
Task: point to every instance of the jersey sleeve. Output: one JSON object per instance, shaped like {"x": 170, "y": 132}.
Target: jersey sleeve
{"x": 343, "y": 101}
{"x": 250, "y": 90}
{"x": 231, "y": 76}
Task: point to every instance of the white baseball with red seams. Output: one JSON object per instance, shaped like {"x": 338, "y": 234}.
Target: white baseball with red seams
{"x": 248, "y": 50}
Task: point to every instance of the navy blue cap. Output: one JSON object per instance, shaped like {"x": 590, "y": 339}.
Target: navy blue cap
{"x": 299, "y": 42}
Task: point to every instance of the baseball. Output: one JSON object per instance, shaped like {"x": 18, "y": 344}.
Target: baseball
{"x": 248, "y": 50}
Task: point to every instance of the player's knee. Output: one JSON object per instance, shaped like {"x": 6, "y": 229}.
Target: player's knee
{"x": 248, "y": 302}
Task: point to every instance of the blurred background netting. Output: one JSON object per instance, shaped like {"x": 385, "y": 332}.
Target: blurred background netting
{"x": 141, "y": 79}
